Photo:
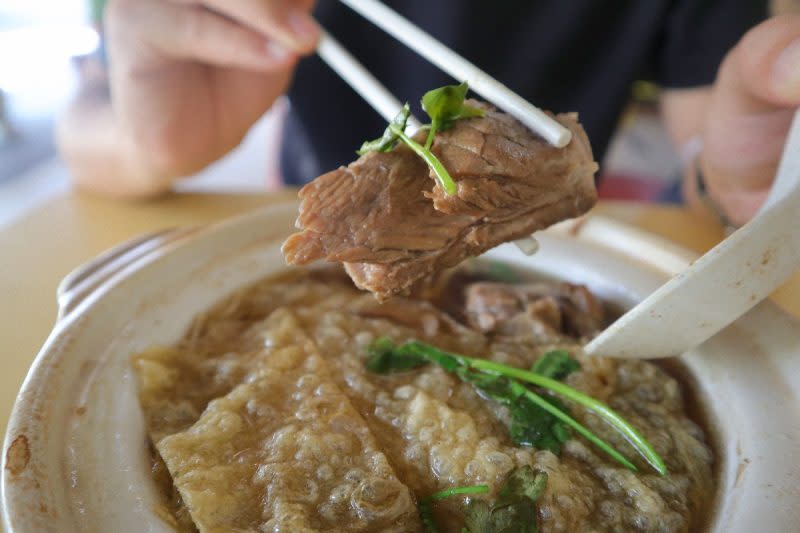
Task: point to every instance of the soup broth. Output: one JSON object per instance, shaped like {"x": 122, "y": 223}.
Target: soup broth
{"x": 265, "y": 418}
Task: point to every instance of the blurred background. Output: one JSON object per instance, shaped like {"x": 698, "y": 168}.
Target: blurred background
{"x": 47, "y": 46}
{"x": 38, "y": 39}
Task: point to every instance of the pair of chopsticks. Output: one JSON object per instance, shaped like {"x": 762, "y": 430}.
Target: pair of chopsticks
{"x": 375, "y": 94}
{"x": 382, "y": 100}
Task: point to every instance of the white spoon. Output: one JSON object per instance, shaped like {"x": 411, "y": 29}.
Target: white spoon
{"x": 723, "y": 284}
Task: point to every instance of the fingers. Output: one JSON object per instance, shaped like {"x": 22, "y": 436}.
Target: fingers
{"x": 749, "y": 114}
{"x": 753, "y": 102}
{"x": 765, "y": 65}
{"x": 287, "y": 22}
{"x": 190, "y": 32}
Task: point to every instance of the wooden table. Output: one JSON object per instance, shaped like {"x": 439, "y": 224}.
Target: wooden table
{"x": 38, "y": 249}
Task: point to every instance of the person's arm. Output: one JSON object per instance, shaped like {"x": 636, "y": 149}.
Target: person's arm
{"x": 94, "y": 148}
{"x": 743, "y": 119}
{"x": 186, "y": 82}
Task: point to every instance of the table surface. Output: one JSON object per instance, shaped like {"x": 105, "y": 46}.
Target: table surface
{"x": 41, "y": 247}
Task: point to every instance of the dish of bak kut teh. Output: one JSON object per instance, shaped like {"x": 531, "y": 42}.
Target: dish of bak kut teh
{"x": 410, "y": 386}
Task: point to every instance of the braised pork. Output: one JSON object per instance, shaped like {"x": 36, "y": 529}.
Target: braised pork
{"x": 387, "y": 219}
{"x": 538, "y": 309}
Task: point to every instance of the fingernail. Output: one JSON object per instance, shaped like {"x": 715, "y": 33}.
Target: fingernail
{"x": 303, "y": 27}
{"x": 276, "y": 52}
{"x": 786, "y": 72}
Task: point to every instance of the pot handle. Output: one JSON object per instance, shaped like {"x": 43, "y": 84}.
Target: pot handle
{"x": 86, "y": 278}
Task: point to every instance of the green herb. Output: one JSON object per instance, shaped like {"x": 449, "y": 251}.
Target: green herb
{"x": 634, "y": 438}
{"x": 384, "y": 358}
{"x": 425, "y": 511}
{"x": 499, "y": 271}
{"x": 412, "y": 354}
{"x": 536, "y": 420}
{"x": 445, "y": 105}
{"x": 445, "y": 180}
{"x": 556, "y": 364}
{"x": 478, "y": 517}
{"x": 548, "y": 406}
{"x": 394, "y": 133}
{"x": 522, "y": 483}
{"x": 455, "y": 491}
{"x": 514, "y": 510}
{"x": 530, "y": 424}
{"x": 389, "y": 139}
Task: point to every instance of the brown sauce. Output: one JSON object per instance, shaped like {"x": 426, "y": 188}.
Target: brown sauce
{"x": 697, "y": 409}
{"x": 427, "y": 429}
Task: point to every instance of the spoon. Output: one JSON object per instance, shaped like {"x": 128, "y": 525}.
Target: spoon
{"x": 721, "y": 285}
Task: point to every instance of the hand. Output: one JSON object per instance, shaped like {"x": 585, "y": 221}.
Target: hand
{"x": 189, "y": 77}
{"x": 750, "y": 110}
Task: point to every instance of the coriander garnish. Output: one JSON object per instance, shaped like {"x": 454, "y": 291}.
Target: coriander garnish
{"x": 444, "y": 105}
{"x": 555, "y": 364}
{"x": 425, "y": 512}
{"x": 505, "y": 384}
{"x": 513, "y": 510}
{"x": 394, "y": 133}
{"x": 389, "y": 139}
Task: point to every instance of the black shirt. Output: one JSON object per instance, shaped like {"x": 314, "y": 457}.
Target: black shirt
{"x": 561, "y": 55}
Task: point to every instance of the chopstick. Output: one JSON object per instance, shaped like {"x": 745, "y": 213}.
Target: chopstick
{"x": 378, "y": 97}
{"x": 361, "y": 80}
{"x": 462, "y": 70}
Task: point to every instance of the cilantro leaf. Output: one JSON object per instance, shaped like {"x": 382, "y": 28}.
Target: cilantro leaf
{"x": 394, "y": 133}
{"x": 385, "y": 358}
{"x": 517, "y": 518}
{"x": 556, "y": 364}
{"x": 389, "y": 139}
{"x": 515, "y": 507}
{"x": 445, "y": 105}
{"x": 533, "y": 426}
{"x": 426, "y": 516}
{"x": 507, "y": 385}
{"x": 530, "y": 424}
{"x": 478, "y": 517}
{"x": 425, "y": 505}
{"x": 522, "y": 483}
{"x": 448, "y": 361}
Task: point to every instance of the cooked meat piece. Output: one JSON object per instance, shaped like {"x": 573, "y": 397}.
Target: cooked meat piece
{"x": 417, "y": 314}
{"x": 539, "y": 309}
{"x": 504, "y": 171}
{"x": 391, "y": 224}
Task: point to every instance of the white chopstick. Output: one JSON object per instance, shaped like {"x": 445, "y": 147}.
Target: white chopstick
{"x": 361, "y": 80}
{"x": 462, "y": 70}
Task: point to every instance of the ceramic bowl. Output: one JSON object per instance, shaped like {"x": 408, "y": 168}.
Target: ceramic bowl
{"x": 75, "y": 455}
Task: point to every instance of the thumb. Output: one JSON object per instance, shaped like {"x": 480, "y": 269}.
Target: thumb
{"x": 765, "y": 65}
{"x": 749, "y": 114}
